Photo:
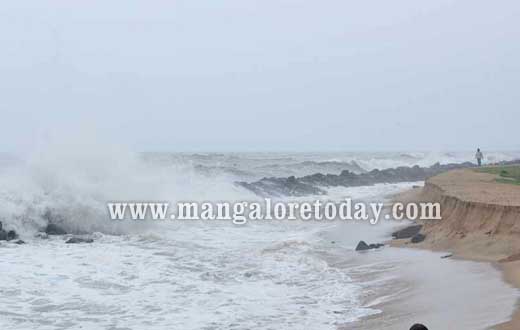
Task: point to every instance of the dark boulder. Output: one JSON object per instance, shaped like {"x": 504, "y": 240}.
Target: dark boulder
{"x": 362, "y": 246}
{"x": 376, "y": 245}
{"x": 3, "y": 235}
{"x": 1, "y": 225}
{"x": 19, "y": 242}
{"x": 407, "y": 232}
{"x": 76, "y": 240}
{"x": 53, "y": 229}
{"x": 11, "y": 234}
{"x": 418, "y": 238}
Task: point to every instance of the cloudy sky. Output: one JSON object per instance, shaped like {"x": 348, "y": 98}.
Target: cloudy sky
{"x": 260, "y": 75}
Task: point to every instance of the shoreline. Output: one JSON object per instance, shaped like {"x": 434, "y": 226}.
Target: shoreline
{"x": 478, "y": 224}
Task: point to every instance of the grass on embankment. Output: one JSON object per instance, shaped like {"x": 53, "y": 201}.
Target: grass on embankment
{"x": 507, "y": 174}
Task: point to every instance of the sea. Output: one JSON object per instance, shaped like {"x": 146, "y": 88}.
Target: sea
{"x": 215, "y": 274}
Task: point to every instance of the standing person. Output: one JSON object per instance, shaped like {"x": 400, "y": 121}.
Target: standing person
{"x": 479, "y": 157}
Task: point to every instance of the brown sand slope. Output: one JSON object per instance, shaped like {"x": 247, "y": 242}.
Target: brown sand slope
{"x": 480, "y": 217}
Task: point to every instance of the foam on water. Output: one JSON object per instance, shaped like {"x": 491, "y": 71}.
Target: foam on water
{"x": 192, "y": 277}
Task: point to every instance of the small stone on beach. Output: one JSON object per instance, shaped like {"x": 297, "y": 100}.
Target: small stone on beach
{"x": 418, "y": 238}
{"x": 407, "y": 232}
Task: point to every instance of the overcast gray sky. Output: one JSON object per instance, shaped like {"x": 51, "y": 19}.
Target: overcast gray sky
{"x": 262, "y": 75}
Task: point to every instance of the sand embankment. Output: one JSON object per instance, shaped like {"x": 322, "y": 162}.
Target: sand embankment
{"x": 480, "y": 221}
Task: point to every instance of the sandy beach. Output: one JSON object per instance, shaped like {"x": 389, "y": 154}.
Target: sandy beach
{"x": 479, "y": 222}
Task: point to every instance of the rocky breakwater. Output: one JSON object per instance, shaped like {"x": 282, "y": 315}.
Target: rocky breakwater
{"x": 316, "y": 184}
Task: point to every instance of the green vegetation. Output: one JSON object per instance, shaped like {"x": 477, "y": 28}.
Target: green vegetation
{"x": 507, "y": 174}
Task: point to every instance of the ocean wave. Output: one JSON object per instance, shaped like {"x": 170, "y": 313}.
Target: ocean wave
{"x": 223, "y": 170}
{"x": 317, "y": 166}
{"x": 72, "y": 188}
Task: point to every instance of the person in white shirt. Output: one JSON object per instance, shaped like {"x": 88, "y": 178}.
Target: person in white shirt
{"x": 479, "y": 157}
